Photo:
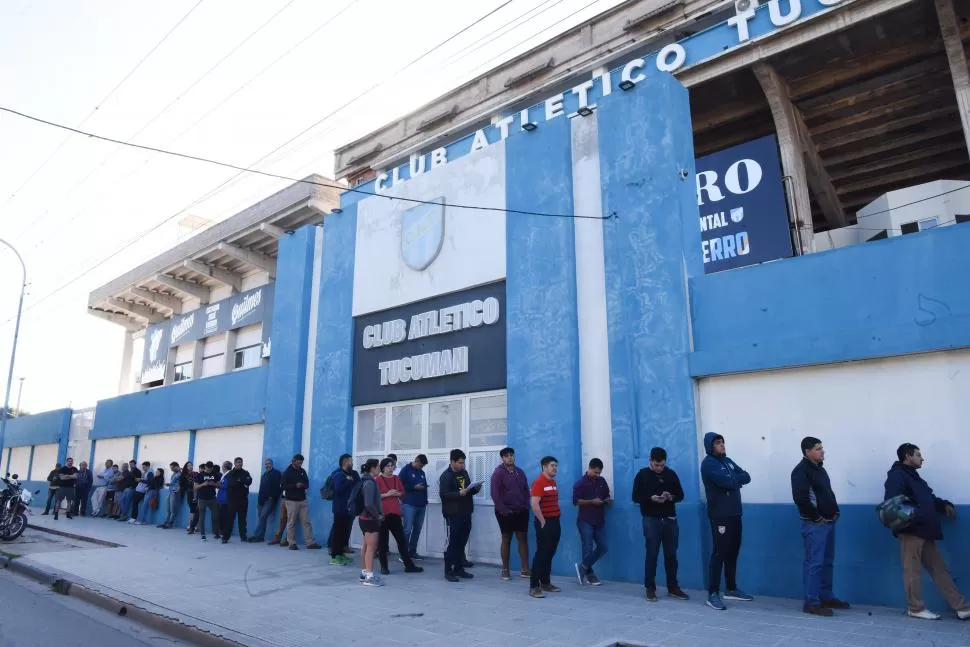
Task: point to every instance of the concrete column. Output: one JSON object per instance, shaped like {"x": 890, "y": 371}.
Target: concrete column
{"x": 957, "y": 57}
{"x": 197, "y": 356}
{"x": 124, "y": 380}
{"x": 230, "y": 355}
{"x": 170, "y": 366}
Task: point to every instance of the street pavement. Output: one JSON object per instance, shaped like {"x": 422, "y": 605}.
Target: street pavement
{"x": 33, "y": 616}
{"x": 267, "y": 596}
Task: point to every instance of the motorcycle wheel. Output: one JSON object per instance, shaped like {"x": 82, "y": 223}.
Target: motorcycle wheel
{"x": 16, "y": 528}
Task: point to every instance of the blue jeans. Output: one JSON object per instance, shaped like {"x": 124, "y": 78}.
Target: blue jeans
{"x": 661, "y": 531}
{"x": 265, "y": 512}
{"x": 589, "y": 536}
{"x": 174, "y": 501}
{"x": 126, "y": 496}
{"x": 145, "y": 514}
{"x": 819, "y": 540}
{"x": 413, "y": 523}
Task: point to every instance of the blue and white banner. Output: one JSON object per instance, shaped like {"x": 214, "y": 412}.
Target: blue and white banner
{"x": 742, "y": 206}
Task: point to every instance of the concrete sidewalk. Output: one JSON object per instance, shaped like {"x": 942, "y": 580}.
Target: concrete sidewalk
{"x": 264, "y": 595}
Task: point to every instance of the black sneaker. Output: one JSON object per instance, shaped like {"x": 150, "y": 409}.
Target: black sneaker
{"x": 450, "y": 576}
{"x": 385, "y": 570}
{"x": 676, "y": 593}
{"x": 467, "y": 564}
{"x": 651, "y": 594}
{"x": 465, "y": 575}
{"x": 294, "y": 547}
{"x": 413, "y": 569}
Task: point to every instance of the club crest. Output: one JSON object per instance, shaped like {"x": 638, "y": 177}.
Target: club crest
{"x": 422, "y": 233}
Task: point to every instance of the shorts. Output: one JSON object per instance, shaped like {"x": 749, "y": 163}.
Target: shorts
{"x": 369, "y": 525}
{"x": 109, "y": 496}
{"x": 512, "y": 523}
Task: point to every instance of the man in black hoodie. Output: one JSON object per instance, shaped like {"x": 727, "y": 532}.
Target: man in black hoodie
{"x": 917, "y": 542}
{"x": 657, "y": 490}
{"x": 812, "y": 492}
{"x": 456, "y": 492}
{"x": 295, "y": 483}
{"x": 238, "y": 481}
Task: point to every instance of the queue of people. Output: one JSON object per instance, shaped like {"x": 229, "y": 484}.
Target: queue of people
{"x": 391, "y": 502}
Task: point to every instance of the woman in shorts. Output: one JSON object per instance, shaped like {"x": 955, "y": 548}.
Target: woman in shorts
{"x": 370, "y": 521}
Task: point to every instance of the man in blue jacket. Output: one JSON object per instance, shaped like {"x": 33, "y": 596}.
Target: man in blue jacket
{"x": 342, "y": 480}
{"x": 723, "y": 480}
{"x": 415, "y": 502}
{"x": 917, "y": 542}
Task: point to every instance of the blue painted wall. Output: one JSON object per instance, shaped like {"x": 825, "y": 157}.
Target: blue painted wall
{"x": 39, "y": 429}
{"x": 287, "y": 370}
{"x": 650, "y": 247}
{"x": 221, "y": 401}
{"x": 541, "y": 319}
{"x": 884, "y": 298}
{"x": 332, "y": 415}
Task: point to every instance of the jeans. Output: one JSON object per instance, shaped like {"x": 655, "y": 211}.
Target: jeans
{"x": 547, "y": 541}
{"x": 126, "y": 497}
{"x": 146, "y": 509}
{"x": 393, "y": 526}
{"x": 265, "y": 512}
{"x": 51, "y": 494}
{"x": 459, "y": 529}
{"x": 81, "y": 501}
{"x": 590, "y": 536}
{"x": 661, "y": 531}
{"x": 726, "y": 537}
{"x": 413, "y": 523}
{"x": 340, "y": 534}
{"x": 819, "y": 541}
{"x": 174, "y": 501}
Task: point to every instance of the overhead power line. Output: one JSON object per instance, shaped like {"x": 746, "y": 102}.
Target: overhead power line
{"x": 94, "y": 111}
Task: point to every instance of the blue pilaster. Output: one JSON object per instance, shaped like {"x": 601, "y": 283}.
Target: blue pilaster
{"x": 543, "y": 341}
{"x": 650, "y": 248}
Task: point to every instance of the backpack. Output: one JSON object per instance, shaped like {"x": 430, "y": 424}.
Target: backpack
{"x": 355, "y": 502}
{"x": 896, "y": 513}
{"x": 327, "y": 490}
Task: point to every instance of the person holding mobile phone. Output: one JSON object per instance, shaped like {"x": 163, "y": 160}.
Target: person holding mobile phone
{"x": 657, "y": 490}
{"x": 591, "y": 494}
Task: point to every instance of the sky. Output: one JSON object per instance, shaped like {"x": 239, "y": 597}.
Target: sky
{"x": 231, "y": 80}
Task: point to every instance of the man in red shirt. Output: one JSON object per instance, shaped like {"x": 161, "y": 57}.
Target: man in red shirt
{"x": 545, "y": 507}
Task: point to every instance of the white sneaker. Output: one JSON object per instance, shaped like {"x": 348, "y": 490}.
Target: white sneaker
{"x": 925, "y": 614}
{"x": 131, "y": 521}
{"x": 964, "y": 614}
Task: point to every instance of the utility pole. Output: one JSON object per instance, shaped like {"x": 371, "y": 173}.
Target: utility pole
{"x": 16, "y": 335}
{"x": 20, "y": 394}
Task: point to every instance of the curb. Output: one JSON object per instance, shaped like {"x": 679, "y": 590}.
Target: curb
{"x": 71, "y": 535}
{"x": 154, "y": 621}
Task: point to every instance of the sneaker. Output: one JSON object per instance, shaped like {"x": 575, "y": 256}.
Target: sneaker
{"x": 505, "y": 575}
{"x": 385, "y": 570}
{"x": 417, "y": 558}
{"x": 463, "y": 574}
{"x": 525, "y": 574}
{"x": 130, "y": 521}
{"x": 362, "y": 577}
{"x": 580, "y": 574}
{"x": 203, "y": 538}
{"x": 225, "y": 541}
{"x": 335, "y": 562}
{"x": 676, "y": 593}
{"x": 714, "y": 601}
{"x": 413, "y": 569}
{"x": 818, "y": 610}
{"x": 836, "y": 603}
{"x": 651, "y": 594}
{"x": 592, "y": 580}
{"x": 964, "y": 614}
{"x": 161, "y": 525}
{"x": 550, "y": 588}
{"x": 273, "y": 542}
{"x": 536, "y": 592}
{"x": 293, "y": 547}
{"x": 467, "y": 564}
{"x": 372, "y": 580}
{"x": 44, "y": 514}
{"x": 55, "y": 517}
{"x": 314, "y": 546}
{"x": 345, "y": 561}
{"x": 738, "y": 595}
{"x": 450, "y": 576}
{"x": 284, "y": 544}
{"x": 925, "y": 614}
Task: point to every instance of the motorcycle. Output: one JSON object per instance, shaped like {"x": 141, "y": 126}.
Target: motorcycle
{"x": 14, "y": 508}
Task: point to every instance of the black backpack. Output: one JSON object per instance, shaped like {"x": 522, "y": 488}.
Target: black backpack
{"x": 355, "y": 503}
{"x": 327, "y": 490}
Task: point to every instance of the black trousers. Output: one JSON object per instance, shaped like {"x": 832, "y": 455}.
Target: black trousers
{"x": 223, "y": 529}
{"x": 81, "y": 500}
{"x": 51, "y": 493}
{"x": 237, "y": 510}
{"x": 393, "y": 525}
{"x": 459, "y": 529}
{"x": 340, "y": 534}
{"x": 136, "y": 500}
{"x": 726, "y": 539}
{"x": 547, "y": 541}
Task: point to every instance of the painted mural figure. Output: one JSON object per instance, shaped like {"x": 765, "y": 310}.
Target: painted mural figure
{"x": 812, "y": 492}
{"x": 591, "y": 493}
{"x": 723, "y": 480}
{"x": 917, "y": 542}
{"x": 510, "y": 494}
{"x": 545, "y": 507}
{"x": 657, "y": 490}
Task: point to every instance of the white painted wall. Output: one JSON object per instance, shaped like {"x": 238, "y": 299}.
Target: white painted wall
{"x": 20, "y": 462}
{"x": 4, "y": 458}
{"x": 254, "y": 280}
{"x": 473, "y": 252}
{"x": 226, "y": 443}
{"x": 214, "y": 362}
{"x": 185, "y": 353}
{"x": 45, "y": 457}
{"x": 162, "y": 449}
{"x": 249, "y": 336}
{"x": 862, "y": 411}
{"x": 120, "y": 450}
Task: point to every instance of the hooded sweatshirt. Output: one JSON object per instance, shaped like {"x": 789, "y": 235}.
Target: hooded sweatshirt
{"x": 723, "y": 480}
{"x": 905, "y": 480}
{"x": 373, "y": 509}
